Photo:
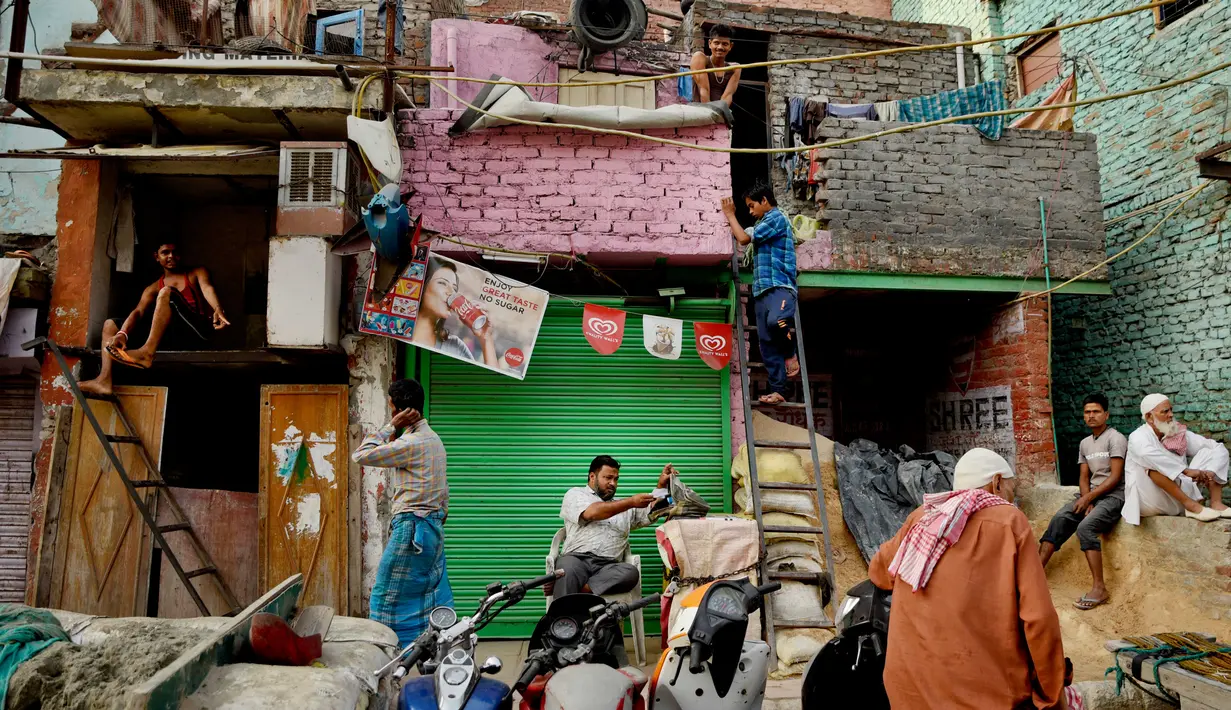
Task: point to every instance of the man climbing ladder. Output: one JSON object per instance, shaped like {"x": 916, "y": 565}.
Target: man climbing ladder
{"x": 774, "y": 289}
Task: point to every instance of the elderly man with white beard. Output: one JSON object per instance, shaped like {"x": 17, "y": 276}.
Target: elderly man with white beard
{"x": 1165, "y": 465}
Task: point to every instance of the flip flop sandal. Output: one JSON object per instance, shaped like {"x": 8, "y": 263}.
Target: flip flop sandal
{"x": 1086, "y": 604}
{"x": 121, "y": 356}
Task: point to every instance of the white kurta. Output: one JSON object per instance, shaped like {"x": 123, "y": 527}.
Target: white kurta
{"x": 1146, "y": 452}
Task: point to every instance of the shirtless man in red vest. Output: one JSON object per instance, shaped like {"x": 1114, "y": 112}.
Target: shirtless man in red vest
{"x": 184, "y": 295}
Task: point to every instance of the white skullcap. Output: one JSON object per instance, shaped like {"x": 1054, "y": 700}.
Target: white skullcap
{"x": 1151, "y": 402}
{"x": 977, "y": 468}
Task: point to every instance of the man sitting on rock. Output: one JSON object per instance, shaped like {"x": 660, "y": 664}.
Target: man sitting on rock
{"x": 1097, "y": 509}
{"x": 1165, "y": 465}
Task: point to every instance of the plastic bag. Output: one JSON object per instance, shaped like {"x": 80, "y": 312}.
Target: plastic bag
{"x": 804, "y": 228}
{"x": 682, "y": 502}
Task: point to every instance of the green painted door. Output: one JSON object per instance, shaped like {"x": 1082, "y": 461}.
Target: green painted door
{"x": 515, "y": 447}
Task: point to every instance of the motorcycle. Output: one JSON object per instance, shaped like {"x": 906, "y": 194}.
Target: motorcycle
{"x": 724, "y": 670}
{"x": 848, "y": 670}
{"x": 577, "y": 652}
{"x": 450, "y": 679}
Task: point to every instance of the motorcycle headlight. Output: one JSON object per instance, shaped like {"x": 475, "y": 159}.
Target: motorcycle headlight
{"x": 845, "y": 609}
{"x": 456, "y": 676}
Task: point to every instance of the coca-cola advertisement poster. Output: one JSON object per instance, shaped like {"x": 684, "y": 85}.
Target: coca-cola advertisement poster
{"x": 474, "y": 315}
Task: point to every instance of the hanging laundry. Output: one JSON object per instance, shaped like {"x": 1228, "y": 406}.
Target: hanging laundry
{"x": 887, "y": 110}
{"x": 814, "y": 113}
{"x": 796, "y": 113}
{"x": 814, "y": 168}
{"x": 1060, "y": 119}
{"x": 988, "y": 96}
{"x": 858, "y": 112}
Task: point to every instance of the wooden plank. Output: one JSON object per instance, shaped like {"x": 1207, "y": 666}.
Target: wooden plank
{"x": 168, "y": 688}
{"x": 302, "y": 517}
{"x": 104, "y": 549}
{"x": 226, "y": 524}
{"x": 39, "y": 593}
{"x": 313, "y": 620}
{"x": 1195, "y": 691}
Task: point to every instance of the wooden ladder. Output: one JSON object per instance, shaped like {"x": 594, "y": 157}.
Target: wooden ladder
{"x": 745, "y": 323}
{"x": 130, "y": 437}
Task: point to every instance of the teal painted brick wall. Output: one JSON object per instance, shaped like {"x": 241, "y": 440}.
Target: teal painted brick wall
{"x": 981, "y": 17}
{"x": 1167, "y": 326}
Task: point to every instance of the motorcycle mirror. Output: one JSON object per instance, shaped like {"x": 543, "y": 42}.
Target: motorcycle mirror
{"x": 491, "y": 666}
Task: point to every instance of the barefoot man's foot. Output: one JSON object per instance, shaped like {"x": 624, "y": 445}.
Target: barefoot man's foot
{"x": 792, "y": 366}
{"x": 772, "y": 398}
{"x": 96, "y": 386}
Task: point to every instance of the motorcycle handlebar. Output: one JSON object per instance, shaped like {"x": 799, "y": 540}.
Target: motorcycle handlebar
{"x": 415, "y": 656}
{"x": 528, "y": 674}
{"x": 644, "y": 602}
{"x": 767, "y": 589}
{"x": 540, "y": 581}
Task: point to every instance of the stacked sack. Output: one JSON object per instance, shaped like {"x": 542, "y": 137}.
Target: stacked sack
{"x": 794, "y": 552}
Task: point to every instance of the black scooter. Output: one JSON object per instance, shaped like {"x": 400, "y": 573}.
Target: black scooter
{"x": 848, "y": 671}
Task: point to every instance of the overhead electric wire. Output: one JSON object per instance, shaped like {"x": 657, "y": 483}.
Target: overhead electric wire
{"x": 658, "y": 77}
{"x": 843, "y": 141}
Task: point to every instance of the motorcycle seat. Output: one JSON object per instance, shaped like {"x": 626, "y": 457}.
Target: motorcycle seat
{"x": 639, "y": 678}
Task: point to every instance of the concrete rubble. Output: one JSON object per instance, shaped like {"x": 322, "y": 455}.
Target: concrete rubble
{"x": 114, "y": 655}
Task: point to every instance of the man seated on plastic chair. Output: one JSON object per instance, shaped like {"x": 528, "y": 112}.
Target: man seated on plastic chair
{"x": 596, "y": 528}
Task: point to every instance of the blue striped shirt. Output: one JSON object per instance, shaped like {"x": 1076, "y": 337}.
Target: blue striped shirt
{"x": 773, "y": 258}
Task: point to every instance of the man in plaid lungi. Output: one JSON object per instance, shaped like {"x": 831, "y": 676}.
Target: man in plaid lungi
{"x": 412, "y": 578}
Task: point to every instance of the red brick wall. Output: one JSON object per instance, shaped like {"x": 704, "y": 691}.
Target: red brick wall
{"x": 1012, "y": 351}
{"x": 547, "y": 189}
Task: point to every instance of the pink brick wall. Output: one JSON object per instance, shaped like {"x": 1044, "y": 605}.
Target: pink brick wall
{"x": 538, "y": 189}
{"x": 533, "y": 56}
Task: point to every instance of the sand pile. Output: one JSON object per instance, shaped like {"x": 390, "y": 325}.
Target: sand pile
{"x": 71, "y": 677}
{"x": 1161, "y": 576}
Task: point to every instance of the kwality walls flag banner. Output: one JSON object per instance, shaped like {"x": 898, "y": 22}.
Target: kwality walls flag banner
{"x": 603, "y": 328}
{"x": 476, "y": 316}
{"x": 713, "y": 342}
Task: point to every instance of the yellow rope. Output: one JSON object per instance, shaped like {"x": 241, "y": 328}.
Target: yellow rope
{"x": 1117, "y": 255}
{"x": 812, "y": 60}
{"x": 358, "y": 106}
{"x": 844, "y": 141}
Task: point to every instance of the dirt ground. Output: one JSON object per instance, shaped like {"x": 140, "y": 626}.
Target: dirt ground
{"x": 71, "y": 677}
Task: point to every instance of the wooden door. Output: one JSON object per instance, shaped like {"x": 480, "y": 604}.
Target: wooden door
{"x": 103, "y": 550}
{"x": 303, "y": 496}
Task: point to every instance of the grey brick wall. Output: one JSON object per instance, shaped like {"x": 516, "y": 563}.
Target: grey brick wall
{"x": 945, "y": 199}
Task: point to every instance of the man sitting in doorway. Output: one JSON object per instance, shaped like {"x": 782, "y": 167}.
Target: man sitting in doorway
{"x": 1097, "y": 509}
{"x": 1166, "y": 463}
{"x": 720, "y": 84}
{"x": 596, "y": 528}
{"x": 182, "y": 299}
{"x": 774, "y": 289}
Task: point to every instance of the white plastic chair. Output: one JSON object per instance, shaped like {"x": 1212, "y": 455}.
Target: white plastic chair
{"x": 637, "y": 618}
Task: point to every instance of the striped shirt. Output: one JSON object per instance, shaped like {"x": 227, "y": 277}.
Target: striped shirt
{"x": 773, "y": 257}
{"x": 417, "y": 460}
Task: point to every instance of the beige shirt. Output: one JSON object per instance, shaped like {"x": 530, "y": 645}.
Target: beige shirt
{"x": 605, "y": 538}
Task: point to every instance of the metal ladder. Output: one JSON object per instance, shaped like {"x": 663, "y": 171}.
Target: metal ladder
{"x": 745, "y": 325}
{"x": 131, "y": 437}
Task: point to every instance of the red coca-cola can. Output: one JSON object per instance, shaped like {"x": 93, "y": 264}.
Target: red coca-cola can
{"x": 470, "y": 314}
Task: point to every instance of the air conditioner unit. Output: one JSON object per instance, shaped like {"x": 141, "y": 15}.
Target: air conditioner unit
{"x": 319, "y": 188}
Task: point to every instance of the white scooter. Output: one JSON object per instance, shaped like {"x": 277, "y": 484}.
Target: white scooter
{"x": 723, "y": 672}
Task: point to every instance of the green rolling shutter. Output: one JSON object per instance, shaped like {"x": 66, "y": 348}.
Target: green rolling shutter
{"x": 515, "y": 447}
